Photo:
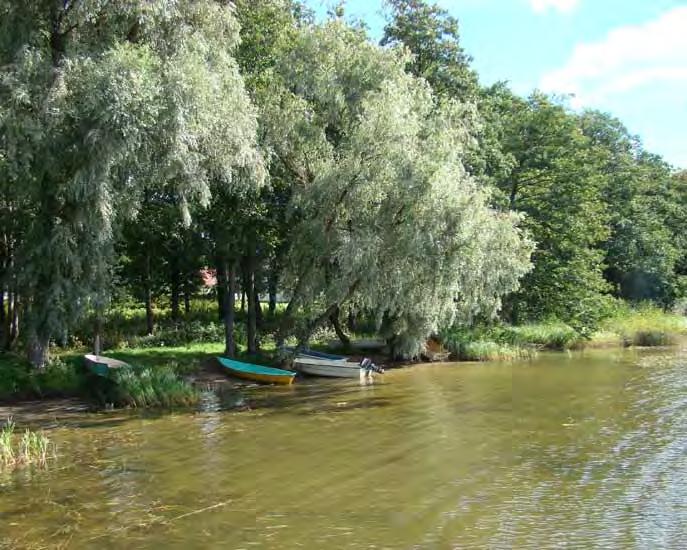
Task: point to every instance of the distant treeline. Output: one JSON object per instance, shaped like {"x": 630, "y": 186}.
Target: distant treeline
{"x": 144, "y": 141}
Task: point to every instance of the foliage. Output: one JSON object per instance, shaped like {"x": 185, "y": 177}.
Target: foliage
{"x": 151, "y": 387}
{"x": 57, "y": 379}
{"x": 646, "y": 325}
{"x": 145, "y": 142}
{"x": 555, "y": 183}
{"x": 551, "y": 336}
{"x": 101, "y": 101}
{"x": 387, "y": 218}
{"x": 433, "y": 37}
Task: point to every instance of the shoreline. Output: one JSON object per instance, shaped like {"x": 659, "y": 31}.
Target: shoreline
{"x": 209, "y": 377}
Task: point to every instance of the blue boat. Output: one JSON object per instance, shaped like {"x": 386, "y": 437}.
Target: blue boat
{"x": 257, "y": 373}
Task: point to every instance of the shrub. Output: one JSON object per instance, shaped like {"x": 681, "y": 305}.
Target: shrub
{"x": 58, "y": 379}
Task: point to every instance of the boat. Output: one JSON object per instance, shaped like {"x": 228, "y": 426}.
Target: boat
{"x": 101, "y": 365}
{"x": 335, "y": 368}
{"x": 257, "y": 373}
{"x": 315, "y": 354}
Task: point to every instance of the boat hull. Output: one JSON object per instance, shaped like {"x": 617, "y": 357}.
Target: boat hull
{"x": 264, "y": 378}
{"x": 257, "y": 373}
{"x": 102, "y": 366}
{"x": 328, "y": 367}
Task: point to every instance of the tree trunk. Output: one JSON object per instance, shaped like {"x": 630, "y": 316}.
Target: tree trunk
{"x": 272, "y": 292}
{"x": 221, "y": 285}
{"x": 243, "y": 300}
{"x": 176, "y": 294}
{"x": 334, "y": 319}
{"x": 4, "y": 333}
{"x": 150, "y": 316}
{"x": 37, "y": 350}
{"x": 228, "y": 310}
{"x": 513, "y": 194}
{"x": 150, "y": 319}
{"x": 249, "y": 288}
{"x": 187, "y": 297}
{"x": 97, "y": 343}
{"x": 350, "y": 321}
{"x": 258, "y": 309}
{"x": 13, "y": 316}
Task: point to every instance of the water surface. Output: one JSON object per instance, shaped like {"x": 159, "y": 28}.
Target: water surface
{"x": 579, "y": 451}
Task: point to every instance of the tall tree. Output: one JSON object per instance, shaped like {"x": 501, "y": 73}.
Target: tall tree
{"x": 384, "y": 214}
{"x": 102, "y": 100}
{"x": 433, "y": 37}
{"x": 556, "y": 183}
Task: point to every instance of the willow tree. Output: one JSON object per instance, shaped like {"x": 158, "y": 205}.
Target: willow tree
{"x": 384, "y": 215}
{"x": 101, "y": 103}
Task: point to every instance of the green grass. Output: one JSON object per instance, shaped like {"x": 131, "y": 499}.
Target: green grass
{"x": 549, "y": 336}
{"x": 31, "y": 448}
{"x": 502, "y": 342}
{"x": 486, "y": 350}
{"x": 643, "y": 326}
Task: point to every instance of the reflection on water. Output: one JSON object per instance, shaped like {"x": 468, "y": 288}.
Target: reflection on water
{"x": 581, "y": 451}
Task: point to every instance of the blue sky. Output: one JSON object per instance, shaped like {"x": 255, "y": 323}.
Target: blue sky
{"x": 626, "y": 57}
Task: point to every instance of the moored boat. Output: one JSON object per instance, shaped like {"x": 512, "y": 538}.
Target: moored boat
{"x": 315, "y": 354}
{"x": 102, "y": 366}
{"x": 335, "y": 368}
{"x": 257, "y": 373}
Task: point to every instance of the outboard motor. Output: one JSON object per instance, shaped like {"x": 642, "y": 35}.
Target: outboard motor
{"x": 369, "y": 366}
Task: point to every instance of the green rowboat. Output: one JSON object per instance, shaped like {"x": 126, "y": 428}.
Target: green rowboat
{"x": 257, "y": 373}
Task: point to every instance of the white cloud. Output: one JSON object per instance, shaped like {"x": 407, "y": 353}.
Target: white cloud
{"x": 630, "y": 57}
{"x": 563, "y": 6}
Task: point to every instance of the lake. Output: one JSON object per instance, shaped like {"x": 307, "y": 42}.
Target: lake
{"x": 579, "y": 450}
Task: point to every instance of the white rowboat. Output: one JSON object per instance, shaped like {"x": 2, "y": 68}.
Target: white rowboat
{"x": 331, "y": 368}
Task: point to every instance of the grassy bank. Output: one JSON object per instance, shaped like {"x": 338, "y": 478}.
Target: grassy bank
{"x": 642, "y": 327}
{"x": 645, "y": 327}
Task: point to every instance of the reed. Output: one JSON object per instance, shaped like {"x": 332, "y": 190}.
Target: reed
{"x": 646, "y": 326}
{"x": 6, "y": 449}
{"x": 152, "y": 387}
{"x": 486, "y": 350}
{"x": 33, "y": 447}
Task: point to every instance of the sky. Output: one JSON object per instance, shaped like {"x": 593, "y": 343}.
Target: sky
{"x": 624, "y": 57}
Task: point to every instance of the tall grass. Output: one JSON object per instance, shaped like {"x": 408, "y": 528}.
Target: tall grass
{"x": 33, "y": 447}
{"x": 645, "y": 326}
{"x": 551, "y": 336}
{"x": 148, "y": 387}
{"x": 486, "y": 350}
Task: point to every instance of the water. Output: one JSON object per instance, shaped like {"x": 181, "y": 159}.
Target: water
{"x": 582, "y": 451}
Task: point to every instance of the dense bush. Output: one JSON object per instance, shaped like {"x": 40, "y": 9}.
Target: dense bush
{"x": 58, "y": 379}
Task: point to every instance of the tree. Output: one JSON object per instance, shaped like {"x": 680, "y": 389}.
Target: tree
{"x": 102, "y": 101}
{"x": 556, "y": 184}
{"x": 433, "y": 37}
{"x": 641, "y": 251}
{"x": 384, "y": 215}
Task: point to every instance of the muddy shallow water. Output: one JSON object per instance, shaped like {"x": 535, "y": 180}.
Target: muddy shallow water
{"x": 584, "y": 450}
